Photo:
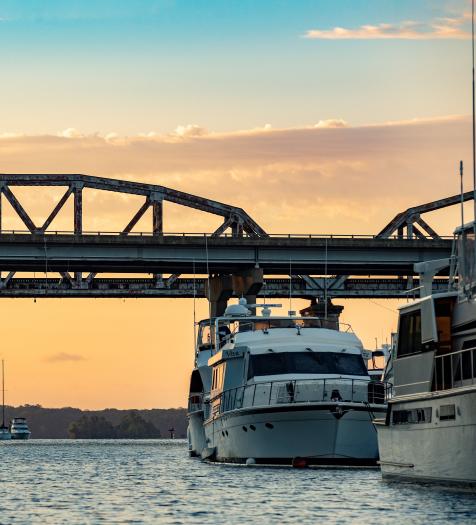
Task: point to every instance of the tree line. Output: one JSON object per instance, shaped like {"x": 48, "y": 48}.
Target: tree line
{"x": 131, "y": 426}
{"x": 55, "y": 423}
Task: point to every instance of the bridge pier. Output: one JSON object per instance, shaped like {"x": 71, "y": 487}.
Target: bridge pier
{"x": 220, "y": 288}
{"x": 248, "y": 284}
{"x": 318, "y": 309}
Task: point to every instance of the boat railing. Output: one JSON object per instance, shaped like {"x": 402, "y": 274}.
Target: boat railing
{"x": 455, "y": 369}
{"x": 278, "y": 392}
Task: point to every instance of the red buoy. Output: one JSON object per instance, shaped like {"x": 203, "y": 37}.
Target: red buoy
{"x": 300, "y": 462}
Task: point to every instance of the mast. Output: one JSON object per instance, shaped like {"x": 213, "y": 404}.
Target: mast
{"x": 3, "y": 394}
{"x": 474, "y": 121}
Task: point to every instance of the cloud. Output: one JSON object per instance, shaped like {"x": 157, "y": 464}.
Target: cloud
{"x": 332, "y": 123}
{"x": 440, "y": 28}
{"x": 70, "y": 133}
{"x": 62, "y": 357}
{"x": 321, "y": 178}
{"x": 191, "y": 130}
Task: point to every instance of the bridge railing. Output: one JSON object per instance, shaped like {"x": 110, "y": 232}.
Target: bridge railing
{"x": 202, "y": 234}
{"x": 455, "y": 369}
{"x": 305, "y": 391}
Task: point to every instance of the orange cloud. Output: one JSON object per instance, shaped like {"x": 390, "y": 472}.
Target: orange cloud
{"x": 368, "y": 173}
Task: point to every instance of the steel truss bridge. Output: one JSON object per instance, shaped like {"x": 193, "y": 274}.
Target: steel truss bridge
{"x": 237, "y": 255}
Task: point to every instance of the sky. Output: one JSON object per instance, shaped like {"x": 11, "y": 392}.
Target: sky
{"x": 315, "y": 116}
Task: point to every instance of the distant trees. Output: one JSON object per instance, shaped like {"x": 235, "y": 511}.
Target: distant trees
{"x": 131, "y": 426}
{"x": 54, "y": 423}
{"x": 92, "y": 427}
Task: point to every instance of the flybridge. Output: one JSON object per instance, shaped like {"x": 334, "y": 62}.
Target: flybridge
{"x": 238, "y": 254}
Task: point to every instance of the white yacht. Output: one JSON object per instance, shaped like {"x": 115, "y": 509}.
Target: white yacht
{"x": 282, "y": 390}
{"x": 19, "y": 428}
{"x": 429, "y": 432}
{"x": 4, "y": 430}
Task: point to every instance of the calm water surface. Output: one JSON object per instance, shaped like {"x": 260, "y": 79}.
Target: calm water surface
{"x": 155, "y": 482}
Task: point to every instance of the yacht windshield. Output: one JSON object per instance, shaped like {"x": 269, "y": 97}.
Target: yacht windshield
{"x": 306, "y": 363}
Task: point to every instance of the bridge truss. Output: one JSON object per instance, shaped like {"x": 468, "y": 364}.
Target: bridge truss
{"x": 238, "y": 254}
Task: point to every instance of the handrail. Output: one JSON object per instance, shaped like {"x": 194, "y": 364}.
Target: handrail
{"x": 299, "y": 391}
{"x": 212, "y": 235}
{"x": 454, "y": 369}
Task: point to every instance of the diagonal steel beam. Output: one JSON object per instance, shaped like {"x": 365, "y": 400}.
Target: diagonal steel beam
{"x": 136, "y": 217}
{"x": 171, "y": 280}
{"x": 427, "y": 228}
{"x": 67, "y": 277}
{"x": 4, "y": 282}
{"x": 338, "y": 282}
{"x": 418, "y": 233}
{"x": 222, "y": 227}
{"x": 89, "y": 278}
{"x": 57, "y": 209}
{"x": 19, "y": 209}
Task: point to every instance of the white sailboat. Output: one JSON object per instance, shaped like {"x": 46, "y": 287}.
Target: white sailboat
{"x": 4, "y": 430}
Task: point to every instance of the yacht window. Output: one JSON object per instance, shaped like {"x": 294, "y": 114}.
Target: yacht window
{"x": 443, "y": 313}
{"x": 196, "y": 384}
{"x": 471, "y": 343}
{"x": 414, "y": 416}
{"x": 409, "y": 334}
{"x": 306, "y": 363}
{"x": 218, "y": 376}
{"x": 447, "y": 412}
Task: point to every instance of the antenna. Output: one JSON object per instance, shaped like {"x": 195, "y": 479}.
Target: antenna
{"x": 194, "y": 306}
{"x": 209, "y": 293}
{"x": 290, "y": 287}
{"x": 325, "y": 285}
{"x": 474, "y": 121}
{"x": 461, "y": 192}
{"x": 3, "y": 394}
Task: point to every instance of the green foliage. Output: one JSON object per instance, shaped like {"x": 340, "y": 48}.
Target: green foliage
{"x": 92, "y": 427}
{"x": 134, "y": 426}
{"x": 131, "y": 426}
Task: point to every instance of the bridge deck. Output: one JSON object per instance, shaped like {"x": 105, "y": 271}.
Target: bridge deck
{"x": 184, "y": 253}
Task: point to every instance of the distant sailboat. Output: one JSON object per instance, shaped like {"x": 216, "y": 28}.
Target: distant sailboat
{"x": 4, "y": 430}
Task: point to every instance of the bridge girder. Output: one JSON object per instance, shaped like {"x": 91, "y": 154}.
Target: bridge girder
{"x": 355, "y": 288}
{"x": 246, "y": 246}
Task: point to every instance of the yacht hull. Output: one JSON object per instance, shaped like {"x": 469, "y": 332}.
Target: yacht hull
{"x": 196, "y": 433}
{"x": 441, "y": 450}
{"x": 326, "y": 434}
{"x": 21, "y": 435}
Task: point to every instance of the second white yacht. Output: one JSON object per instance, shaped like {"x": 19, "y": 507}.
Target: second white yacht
{"x": 19, "y": 428}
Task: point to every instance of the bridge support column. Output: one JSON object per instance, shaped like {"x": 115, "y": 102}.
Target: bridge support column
{"x": 218, "y": 292}
{"x": 318, "y": 309}
{"x": 248, "y": 284}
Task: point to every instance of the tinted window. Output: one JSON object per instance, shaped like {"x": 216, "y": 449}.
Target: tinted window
{"x": 409, "y": 334}
{"x": 306, "y": 363}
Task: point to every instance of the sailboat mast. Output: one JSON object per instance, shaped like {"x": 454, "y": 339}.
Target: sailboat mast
{"x": 3, "y": 393}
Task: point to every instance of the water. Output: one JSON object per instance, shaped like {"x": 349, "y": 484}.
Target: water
{"x": 54, "y": 481}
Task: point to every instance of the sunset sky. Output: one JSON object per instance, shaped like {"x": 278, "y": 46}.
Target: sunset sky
{"x": 315, "y": 116}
